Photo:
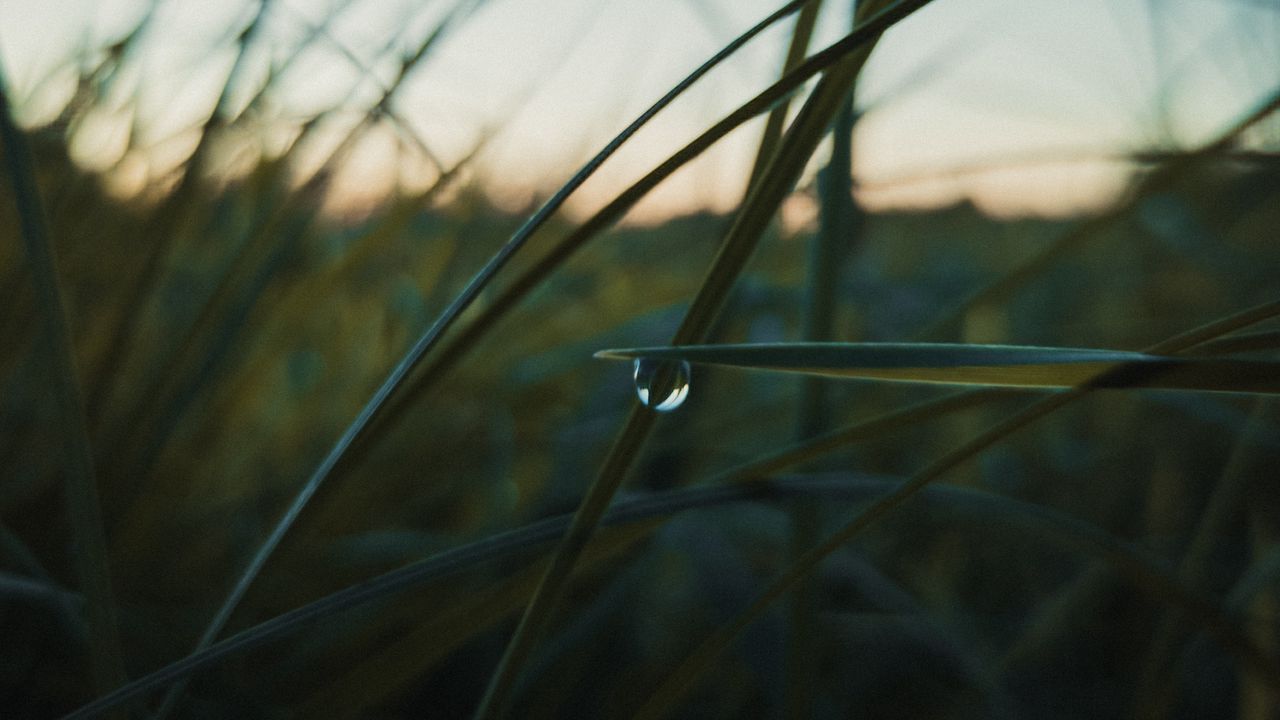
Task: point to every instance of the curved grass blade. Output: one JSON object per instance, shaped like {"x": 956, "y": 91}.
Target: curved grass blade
{"x": 1160, "y": 180}
{"x": 837, "y": 231}
{"x": 199, "y": 353}
{"x": 1196, "y": 338}
{"x": 432, "y": 640}
{"x": 1245, "y": 342}
{"x": 84, "y": 508}
{"x": 1262, "y": 576}
{"x": 69, "y": 605}
{"x": 907, "y": 417}
{"x": 1045, "y": 523}
{"x": 987, "y": 365}
{"x": 433, "y": 334}
{"x": 700, "y": 662}
{"x": 878, "y": 426}
{"x": 453, "y": 352}
{"x": 801, "y": 35}
{"x": 163, "y": 227}
{"x": 762, "y": 203}
{"x": 1157, "y": 690}
{"x": 506, "y": 545}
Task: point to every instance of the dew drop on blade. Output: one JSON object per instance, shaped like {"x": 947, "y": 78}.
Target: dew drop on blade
{"x": 649, "y": 373}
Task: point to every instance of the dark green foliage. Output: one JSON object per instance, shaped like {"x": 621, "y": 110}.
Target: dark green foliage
{"x": 1048, "y": 551}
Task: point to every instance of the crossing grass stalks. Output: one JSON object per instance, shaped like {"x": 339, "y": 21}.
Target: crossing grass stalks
{"x": 369, "y": 467}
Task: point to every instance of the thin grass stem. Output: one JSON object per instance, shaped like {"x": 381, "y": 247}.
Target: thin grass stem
{"x": 80, "y": 484}
{"x": 1156, "y": 693}
{"x": 762, "y": 203}
{"x": 699, "y": 663}
{"x": 982, "y": 505}
{"x": 456, "y": 349}
{"x": 827, "y": 251}
{"x": 161, "y": 232}
{"x": 433, "y": 334}
{"x": 1163, "y": 177}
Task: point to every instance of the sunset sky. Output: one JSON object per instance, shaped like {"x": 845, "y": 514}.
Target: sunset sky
{"x": 1019, "y": 104}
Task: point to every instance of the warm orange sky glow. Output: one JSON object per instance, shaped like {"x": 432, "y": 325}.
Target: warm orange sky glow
{"x": 1022, "y": 107}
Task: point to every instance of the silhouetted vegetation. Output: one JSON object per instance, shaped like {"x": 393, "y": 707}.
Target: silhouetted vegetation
{"x": 1117, "y": 557}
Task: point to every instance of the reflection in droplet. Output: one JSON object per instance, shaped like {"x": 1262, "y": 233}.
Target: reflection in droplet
{"x": 648, "y": 373}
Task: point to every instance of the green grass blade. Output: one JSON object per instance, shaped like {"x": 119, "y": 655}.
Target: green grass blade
{"x": 162, "y": 229}
{"x": 208, "y": 339}
{"x": 775, "y": 124}
{"x": 81, "y": 489}
{"x": 1245, "y": 342}
{"x": 1262, "y": 576}
{"x": 264, "y": 268}
{"x": 901, "y": 419}
{"x": 827, "y": 250}
{"x": 1155, "y": 689}
{"x": 762, "y": 203}
{"x": 1046, "y": 523}
{"x": 987, "y": 365}
{"x": 432, "y": 640}
{"x": 1195, "y": 338}
{"x": 455, "y": 350}
{"x": 433, "y": 334}
{"x": 1161, "y": 179}
{"x": 510, "y": 544}
{"x": 704, "y": 658}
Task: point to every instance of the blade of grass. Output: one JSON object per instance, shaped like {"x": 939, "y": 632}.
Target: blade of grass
{"x": 314, "y": 31}
{"x": 212, "y": 338}
{"x": 80, "y": 489}
{"x": 1045, "y": 523}
{"x": 988, "y": 365}
{"x": 1196, "y": 338}
{"x": 69, "y": 605}
{"x": 1261, "y": 576}
{"x": 511, "y": 542}
{"x": 700, "y": 662}
{"x": 208, "y": 338}
{"x": 428, "y": 643}
{"x": 1156, "y": 691}
{"x": 762, "y": 203}
{"x": 430, "y": 338}
{"x": 836, "y": 231}
{"x": 502, "y": 546}
{"x": 1160, "y": 179}
{"x": 1058, "y": 616}
{"x": 453, "y": 352}
{"x": 294, "y": 212}
{"x": 1253, "y": 602}
{"x": 160, "y": 232}
{"x": 801, "y": 35}
{"x": 828, "y": 247}
{"x": 907, "y": 417}
{"x": 1245, "y": 342}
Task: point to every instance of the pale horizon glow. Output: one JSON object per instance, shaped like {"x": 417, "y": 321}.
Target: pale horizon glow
{"x": 1020, "y": 107}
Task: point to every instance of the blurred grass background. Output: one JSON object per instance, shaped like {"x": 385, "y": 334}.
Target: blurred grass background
{"x": 227, "y": 323}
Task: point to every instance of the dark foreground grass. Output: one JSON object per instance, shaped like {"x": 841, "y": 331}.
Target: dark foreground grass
{"x": 368, "y": 468}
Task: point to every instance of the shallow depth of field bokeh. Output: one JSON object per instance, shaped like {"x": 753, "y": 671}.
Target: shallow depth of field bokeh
{"x": 255, "y": 210}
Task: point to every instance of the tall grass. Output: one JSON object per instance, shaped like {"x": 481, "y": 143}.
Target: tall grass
{"x": 369, "y": 467}
{"x": 81, "y": 489}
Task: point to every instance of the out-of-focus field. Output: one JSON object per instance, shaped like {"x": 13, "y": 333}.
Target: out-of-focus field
{"x": 1115, "y": 559}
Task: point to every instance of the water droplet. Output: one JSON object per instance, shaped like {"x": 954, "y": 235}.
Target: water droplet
{"x": 648, "y": 373}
